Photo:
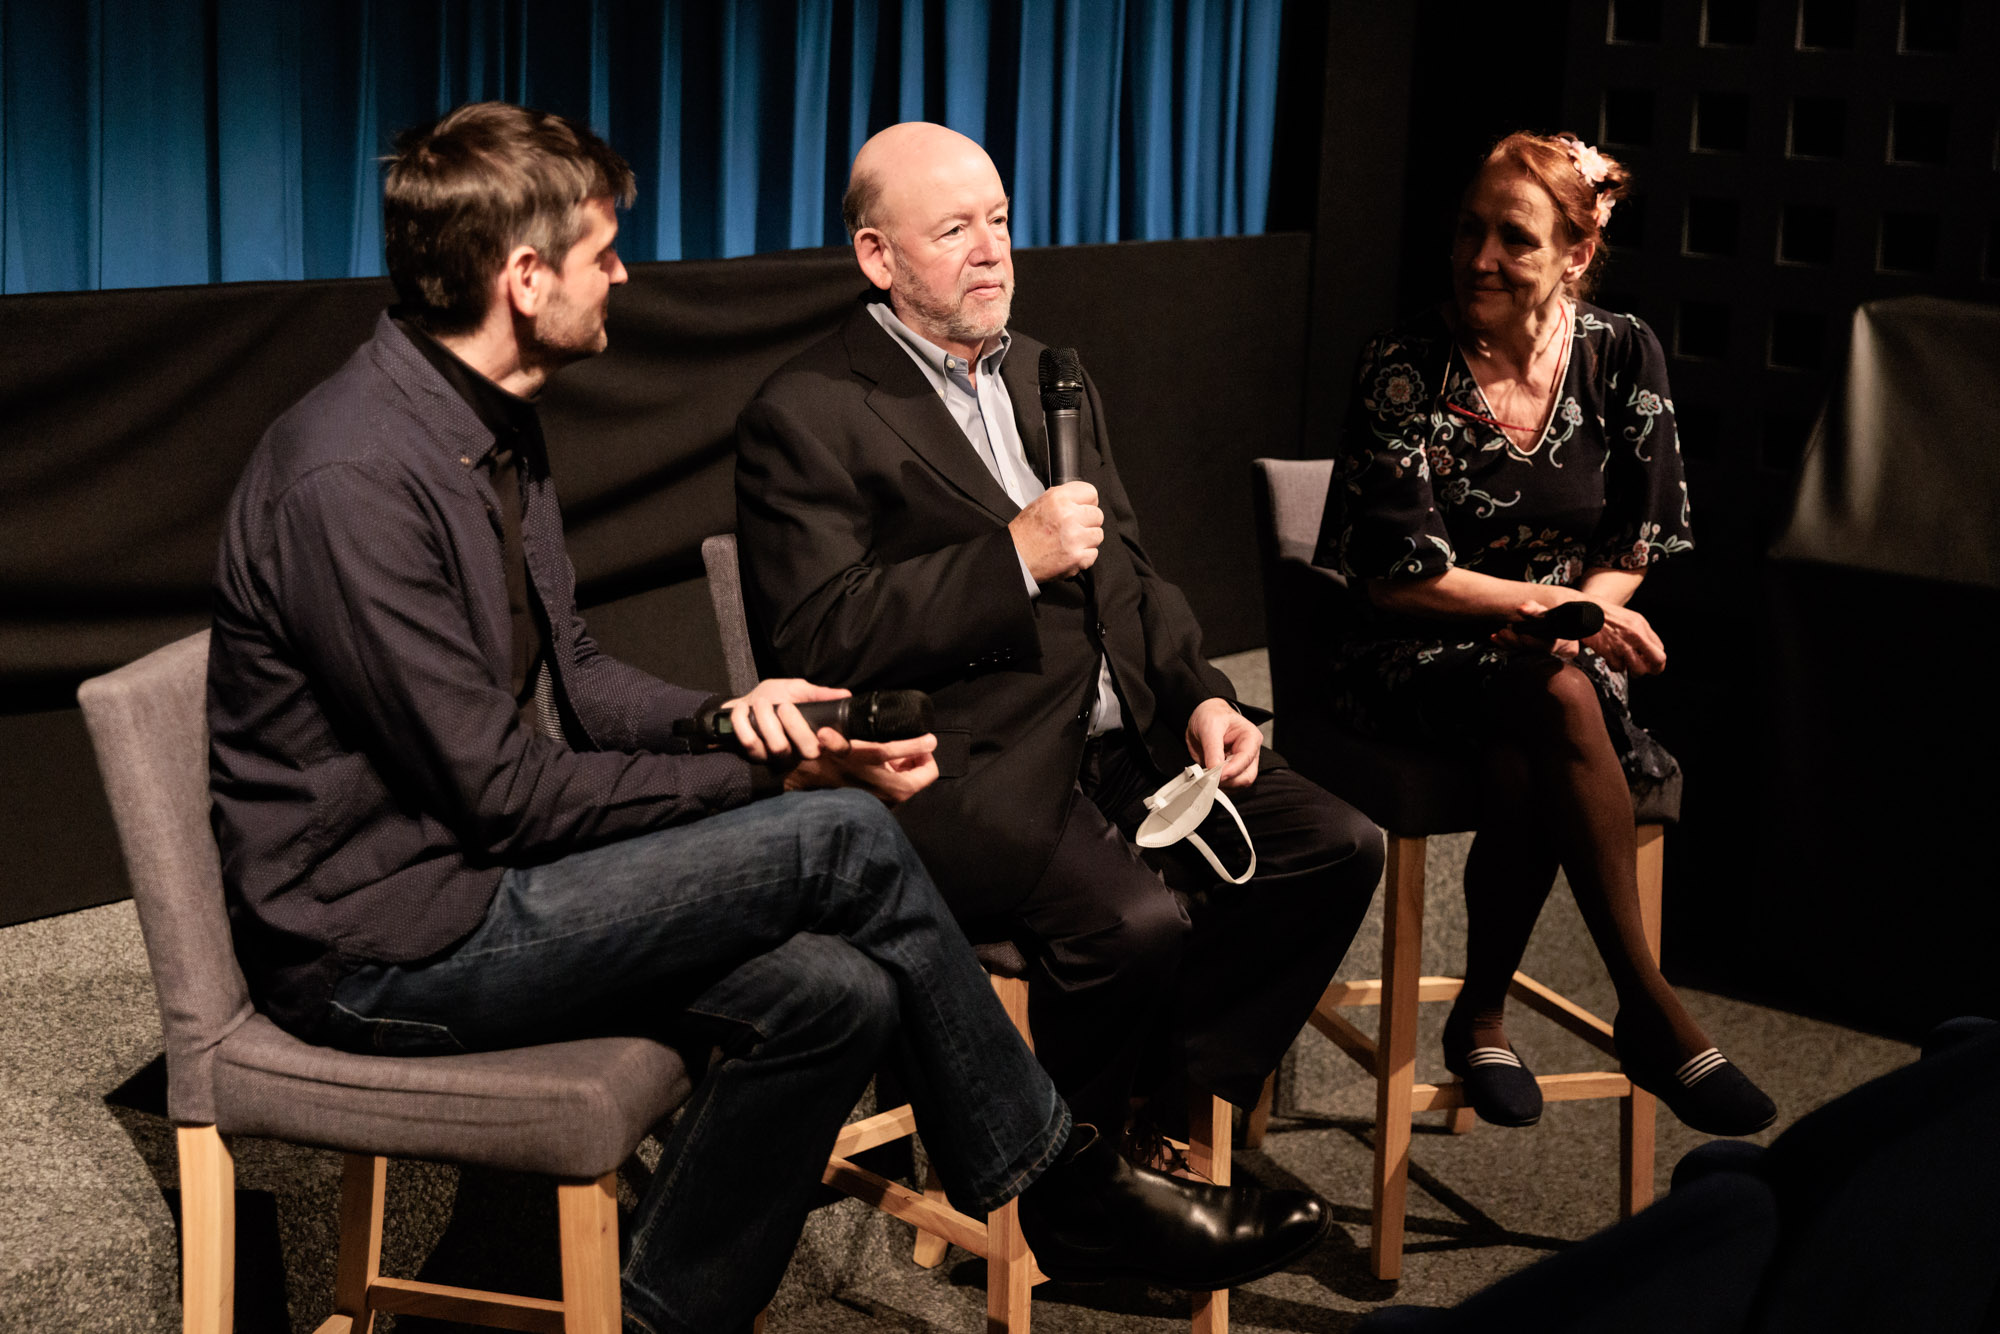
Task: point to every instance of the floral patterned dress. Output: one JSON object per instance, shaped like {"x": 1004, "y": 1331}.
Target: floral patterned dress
{"x": 1425, "y": 481}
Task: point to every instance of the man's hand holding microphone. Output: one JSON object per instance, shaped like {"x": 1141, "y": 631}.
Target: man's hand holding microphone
{"x": 1059, "y": 532}
{"x": 769, "y": 729}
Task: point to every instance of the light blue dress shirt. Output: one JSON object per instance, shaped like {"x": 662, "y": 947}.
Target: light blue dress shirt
{"x": 984, "y": 411}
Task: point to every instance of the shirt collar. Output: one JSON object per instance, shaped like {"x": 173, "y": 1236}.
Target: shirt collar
{"x": 948, "y": 365}
{"x": 512, "y": 419}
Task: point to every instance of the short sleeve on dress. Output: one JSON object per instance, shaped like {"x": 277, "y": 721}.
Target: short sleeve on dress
{"x": 1381, "y": 520}
{"x": 1645, "y": 490}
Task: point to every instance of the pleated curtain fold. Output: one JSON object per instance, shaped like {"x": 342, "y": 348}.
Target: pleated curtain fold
{"x": 163, "y": 142}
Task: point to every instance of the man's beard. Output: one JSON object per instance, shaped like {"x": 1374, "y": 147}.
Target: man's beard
{"x": 952, "y": 321}
{"x": 567, "y": 333}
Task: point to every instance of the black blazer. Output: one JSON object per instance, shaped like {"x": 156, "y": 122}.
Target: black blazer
{"x": 876, "y": 554}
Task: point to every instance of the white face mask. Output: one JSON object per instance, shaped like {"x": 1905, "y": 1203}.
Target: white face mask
{"x": 1183, "y": 803}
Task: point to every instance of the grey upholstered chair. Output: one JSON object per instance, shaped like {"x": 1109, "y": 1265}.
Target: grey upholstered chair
{"x": 571, "y": 1110}
{"x": 1010, "y": 1267}
{"x": 1412, "y": 792}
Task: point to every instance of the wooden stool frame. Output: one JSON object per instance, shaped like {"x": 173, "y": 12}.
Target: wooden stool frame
{"x": 1011, "y": 1273}
{"x": 588, "y": 1213}
{"x": 1392, "y": 1056}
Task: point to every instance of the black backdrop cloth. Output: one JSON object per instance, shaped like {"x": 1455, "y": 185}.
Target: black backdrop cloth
{"x": 125, "y": 418}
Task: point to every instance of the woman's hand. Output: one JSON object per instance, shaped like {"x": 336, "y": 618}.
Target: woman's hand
{"x": 1509, "y": 637}
{"x": 894, "y": 771}
{"x": 1627, "y": 642}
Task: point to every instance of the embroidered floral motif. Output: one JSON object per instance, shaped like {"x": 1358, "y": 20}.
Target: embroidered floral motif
{"x": 1398, "y": 391}
{"x": 1652, "y": 544}
{"x": 1459, "y": 490}
{"x": 1571, "y": 416}
{"x": 1648, "y": 406}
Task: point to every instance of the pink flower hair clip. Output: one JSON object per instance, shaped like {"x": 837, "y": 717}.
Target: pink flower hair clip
{"x": 1590, "y": 165}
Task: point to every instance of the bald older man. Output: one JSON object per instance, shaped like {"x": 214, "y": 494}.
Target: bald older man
{"x": 898, "y": 530}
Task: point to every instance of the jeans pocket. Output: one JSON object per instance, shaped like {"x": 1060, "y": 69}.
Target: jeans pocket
{"x": 388, "y": 1037}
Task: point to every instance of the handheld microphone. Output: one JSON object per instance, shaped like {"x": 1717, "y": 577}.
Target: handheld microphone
{"x": 1062, "y": 395}
{"x": 873, "y": 715}
{"x": 1567, "y": 620}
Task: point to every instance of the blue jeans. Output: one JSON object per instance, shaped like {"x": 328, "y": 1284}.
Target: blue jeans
{"x": 801, "y": 937}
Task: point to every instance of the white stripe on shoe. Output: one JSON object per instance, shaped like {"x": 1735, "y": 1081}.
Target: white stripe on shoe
{"x": 1492, "y": 1056}
{"x": 1700, "y": 1066}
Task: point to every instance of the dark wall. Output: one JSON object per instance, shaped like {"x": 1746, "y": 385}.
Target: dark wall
{"x": 128, "y": 416}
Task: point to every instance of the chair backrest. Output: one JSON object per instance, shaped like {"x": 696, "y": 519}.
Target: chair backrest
{"x": 1305, "y": 606}
{"x": 1291, "y": 497}
{"x": 148, "y": 723}
{"x": 725, "y": 594}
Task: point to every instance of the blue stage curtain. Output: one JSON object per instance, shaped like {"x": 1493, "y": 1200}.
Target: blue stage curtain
{"x": 158, "y": 142}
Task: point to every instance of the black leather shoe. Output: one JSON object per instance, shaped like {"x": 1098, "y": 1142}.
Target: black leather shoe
{"x": 1705, "y": 1091}
{"x": 1093, "y": 1217}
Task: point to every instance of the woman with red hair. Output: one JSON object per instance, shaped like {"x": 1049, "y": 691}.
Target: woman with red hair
{"x": 1509, "y": 451}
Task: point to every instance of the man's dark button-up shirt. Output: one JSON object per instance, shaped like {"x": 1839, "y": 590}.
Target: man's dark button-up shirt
{"x": 371, "y": 776}
{"x": 518, "y": 452}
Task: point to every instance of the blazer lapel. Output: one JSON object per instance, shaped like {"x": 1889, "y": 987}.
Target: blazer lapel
{"x": 903, "y": 398}
{"x": 1023, "y": 375}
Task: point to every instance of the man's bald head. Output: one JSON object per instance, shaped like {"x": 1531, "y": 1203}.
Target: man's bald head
{"x": 927, "y": 213}
{"x": 899, "y": 162}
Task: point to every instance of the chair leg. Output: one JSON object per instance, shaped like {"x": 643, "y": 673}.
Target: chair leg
{"x": 588, "y": 1214}
{"x": 208, "y": 1232}
{"x": 1259, "y": 1119}
{"x": 930, "y": 1246}
{"x": 1209, "y": 1126}
{"x": 362, "y": 1182}
{"x": 1010, "y": 1272}
{"x": 1638, "y": 1111}
{"x": 1460, "y": 1120}
{"x": 1396, "y": 1049}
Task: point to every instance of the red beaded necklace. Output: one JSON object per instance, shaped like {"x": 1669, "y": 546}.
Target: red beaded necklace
{"x": 1500, "y": 425}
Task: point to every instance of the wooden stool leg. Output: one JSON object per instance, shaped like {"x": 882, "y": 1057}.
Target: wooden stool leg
{"x": 1459, "y": 1120}
{"x": 1396, "y": 1049}
{"x": 930, "y": 1246}
{"x": 588, "y": 1215}
{"x": 1259, "y": 1119}
{"x": 208, "y": 1232}
{"x": 363, "y": 1180}
{"x": 1010, "y": 1272}
{"x": 1209, "y": 1124}
{"x": 1638, "y": 1111}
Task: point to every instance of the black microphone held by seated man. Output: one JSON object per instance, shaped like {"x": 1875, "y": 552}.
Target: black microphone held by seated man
{"x": 1062, "y": 396}
{"x": 872, "y": 715}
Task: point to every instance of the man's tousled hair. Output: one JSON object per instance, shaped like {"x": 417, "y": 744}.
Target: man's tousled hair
{"x": 462, "y": 192}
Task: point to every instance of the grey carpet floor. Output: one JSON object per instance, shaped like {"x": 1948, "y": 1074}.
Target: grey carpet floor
{"x": 88, "y": 1190}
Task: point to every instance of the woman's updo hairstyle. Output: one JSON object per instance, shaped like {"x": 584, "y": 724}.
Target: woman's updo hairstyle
{"x": 1583, "y": 182}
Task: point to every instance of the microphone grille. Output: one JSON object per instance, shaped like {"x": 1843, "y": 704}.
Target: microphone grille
{"x": 891, "y": 715}
{"x": 1061, "y": 379}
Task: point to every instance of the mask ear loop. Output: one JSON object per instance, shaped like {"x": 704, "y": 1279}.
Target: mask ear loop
{"x": 1184, "y": 802}
{"x": 1202, "y": 847}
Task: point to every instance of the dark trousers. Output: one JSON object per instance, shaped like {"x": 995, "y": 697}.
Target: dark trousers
{"x": 1155, "y": 974}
